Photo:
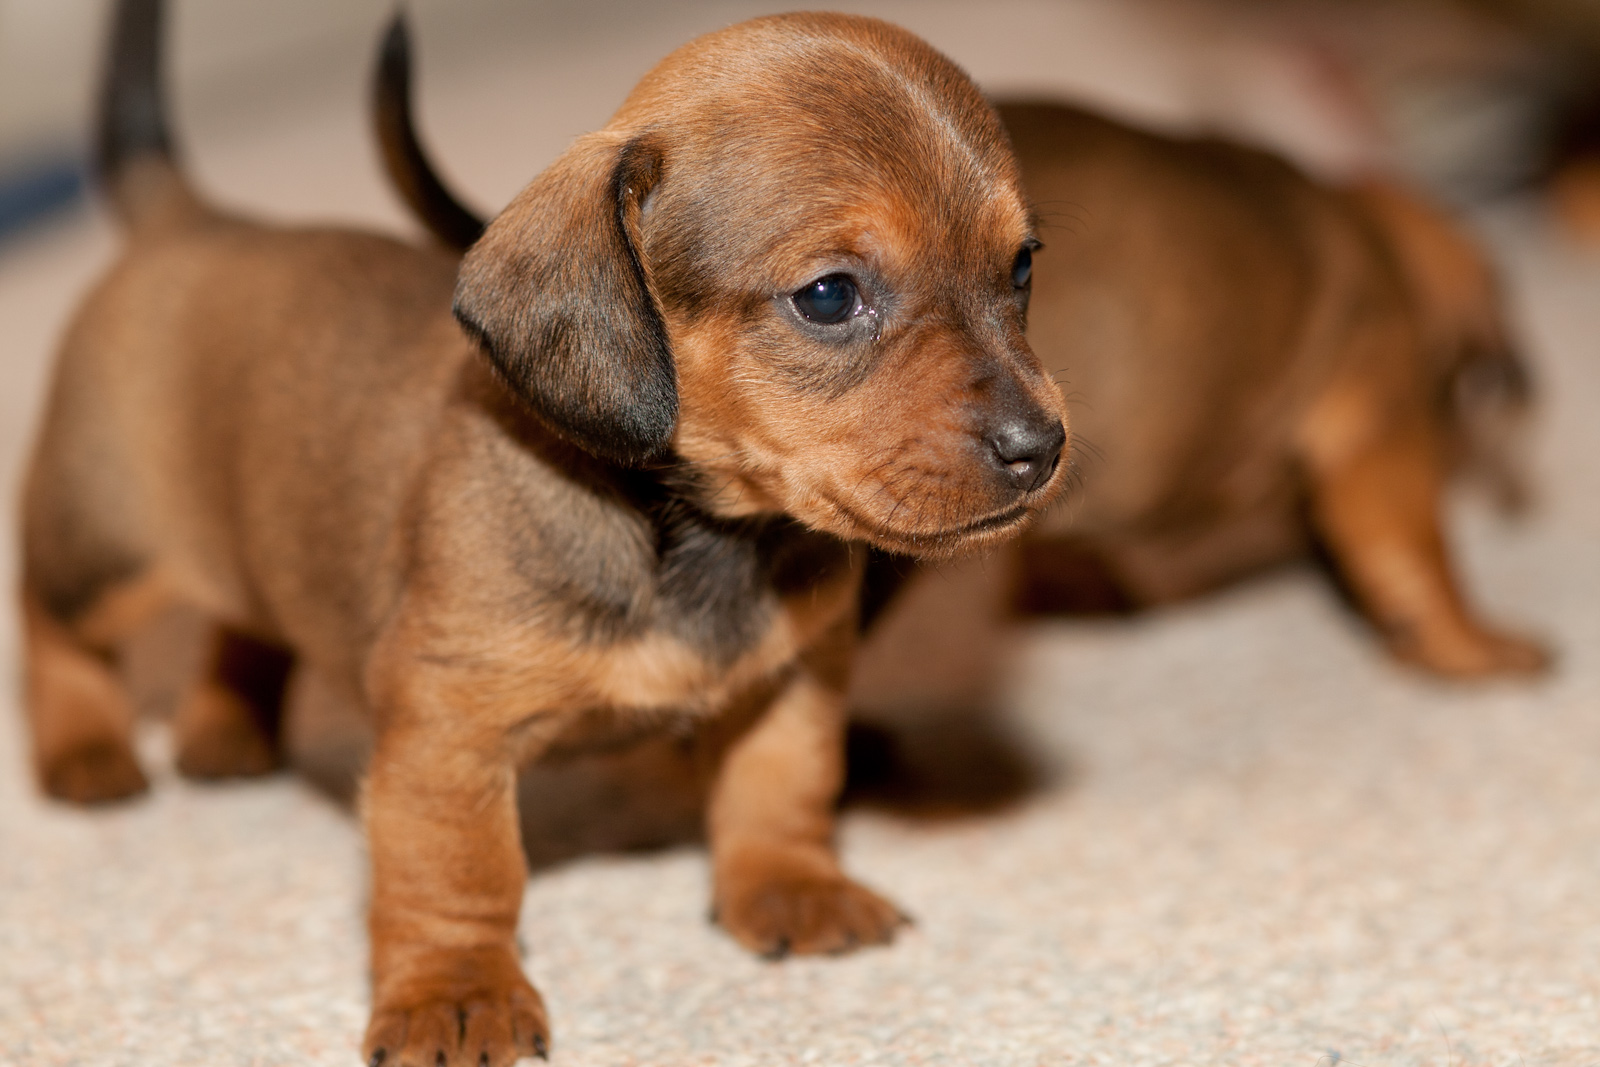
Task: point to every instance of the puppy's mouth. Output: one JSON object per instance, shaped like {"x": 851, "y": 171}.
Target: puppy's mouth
{"x": 946, "y": 540}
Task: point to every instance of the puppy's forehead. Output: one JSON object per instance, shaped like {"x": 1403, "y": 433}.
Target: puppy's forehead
{"x": 799, "y": 121}
{"x": 831, "y": 65}
{"x": 903, "y": 235}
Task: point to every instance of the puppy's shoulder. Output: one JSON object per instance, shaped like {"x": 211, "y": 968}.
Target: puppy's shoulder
{"x": 526, "y": 524}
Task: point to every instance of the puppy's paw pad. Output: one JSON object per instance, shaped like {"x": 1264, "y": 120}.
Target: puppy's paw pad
{"x": 485, "y": 1028}
{"x": 95, "y": 773}
{"x": 808, "y": 915}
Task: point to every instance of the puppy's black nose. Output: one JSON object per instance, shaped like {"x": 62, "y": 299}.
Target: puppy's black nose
{"x": 1027, "y": 448}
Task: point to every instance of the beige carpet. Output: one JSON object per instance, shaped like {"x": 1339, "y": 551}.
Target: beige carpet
{"x": 1262, "y": 844}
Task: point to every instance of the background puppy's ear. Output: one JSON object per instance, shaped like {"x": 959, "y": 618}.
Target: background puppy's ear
{"x": 555, "y": 293}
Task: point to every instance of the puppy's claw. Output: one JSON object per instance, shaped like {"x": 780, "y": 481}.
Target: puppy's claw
{"x": 490, "y": 1024}
{"x": 541, "y": 1048}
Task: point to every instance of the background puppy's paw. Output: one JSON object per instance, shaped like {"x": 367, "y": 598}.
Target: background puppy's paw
{"x": 94, "y": 773}
{"x": 1475, "y": 653}
{"x": 784, "y": 905}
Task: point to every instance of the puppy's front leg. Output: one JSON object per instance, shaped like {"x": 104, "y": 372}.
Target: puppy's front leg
{"x": 447, "y": 882}
{"x": 777, "y": 883}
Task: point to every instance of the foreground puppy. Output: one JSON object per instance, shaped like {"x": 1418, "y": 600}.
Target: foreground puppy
{"x": 773, "y": 308}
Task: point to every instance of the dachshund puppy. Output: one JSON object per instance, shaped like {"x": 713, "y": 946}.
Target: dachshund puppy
{"x": 611, "y": 472}
{"x": 1266, "y": 366}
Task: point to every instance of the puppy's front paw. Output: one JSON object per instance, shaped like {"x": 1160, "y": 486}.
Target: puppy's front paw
{"x": 467, "y": 1016}
{"x": 94, "y": 773}
{"x": 792, "y": 902}
{"x": 1473, "y": 652}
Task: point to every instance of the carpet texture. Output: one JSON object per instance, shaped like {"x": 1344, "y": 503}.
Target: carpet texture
{"x": 1256, "y": 841}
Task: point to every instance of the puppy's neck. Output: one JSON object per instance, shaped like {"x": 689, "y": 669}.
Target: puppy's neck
{"x": 673, "y": 493}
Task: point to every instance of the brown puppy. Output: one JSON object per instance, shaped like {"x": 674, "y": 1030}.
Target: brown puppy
{"x": 774, "y": 308}
{"x": 1264, "y": 362}
{"x": 1252, "y": 351}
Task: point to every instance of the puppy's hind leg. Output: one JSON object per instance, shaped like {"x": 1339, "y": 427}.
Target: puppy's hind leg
{"x": 1377, "y": 510}
{"x": 78, "y": 710}
{"x": 228, "y": 725}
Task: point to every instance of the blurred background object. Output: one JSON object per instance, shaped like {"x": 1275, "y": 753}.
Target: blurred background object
{"x": 1476, "y": 98}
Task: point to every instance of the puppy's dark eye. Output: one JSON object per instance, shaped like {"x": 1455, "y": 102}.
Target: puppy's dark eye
{"x": 828, "y": 300}
{"x": 1022, "y": 269}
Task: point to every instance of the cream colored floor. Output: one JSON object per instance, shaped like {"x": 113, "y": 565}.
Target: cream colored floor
{"x": 1265, "y": 844}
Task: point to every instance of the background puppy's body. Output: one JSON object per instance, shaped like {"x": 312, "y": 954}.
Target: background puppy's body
{"x": 1260, "y": 367}
{"x": 1185, "y": 302}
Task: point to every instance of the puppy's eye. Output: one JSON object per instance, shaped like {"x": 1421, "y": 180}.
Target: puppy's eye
{"x": 828, "y": 300}
{"x": 1022, "y": 269}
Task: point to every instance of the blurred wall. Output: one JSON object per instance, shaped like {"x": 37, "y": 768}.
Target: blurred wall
{"x": 50, "y": 55}
{"x": 1335, "y": 86}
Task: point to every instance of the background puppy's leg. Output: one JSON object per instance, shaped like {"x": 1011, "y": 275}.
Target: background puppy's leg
{"x": 777, "y": 883}
{"x": 1377, "y": 508}
{"x": 79, "y": 713}
{"x": 228, "y": 724}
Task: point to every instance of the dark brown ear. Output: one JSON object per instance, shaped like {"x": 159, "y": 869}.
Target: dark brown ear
{"x": 555, "y": 293}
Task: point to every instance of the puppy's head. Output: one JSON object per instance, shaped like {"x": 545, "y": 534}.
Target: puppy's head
{"x": 797, "y": 262}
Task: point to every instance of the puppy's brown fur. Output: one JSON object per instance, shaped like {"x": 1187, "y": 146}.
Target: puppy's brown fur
{"x": 631, "y": 497}
{"x": 1254, "y": 350}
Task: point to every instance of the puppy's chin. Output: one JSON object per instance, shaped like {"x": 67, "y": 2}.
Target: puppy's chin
{"x": 931, "y": 528}
{"x": 929, "y": 540}
{"x": 946, "y": 543}
{"x": 935, "y": 530}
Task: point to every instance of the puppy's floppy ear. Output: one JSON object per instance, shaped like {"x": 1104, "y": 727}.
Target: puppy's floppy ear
{"x": 557, "y": 296}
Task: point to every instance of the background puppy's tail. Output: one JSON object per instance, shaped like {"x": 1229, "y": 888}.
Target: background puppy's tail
{"x": 134, "y": 156}
{"x": 403, "y": 157}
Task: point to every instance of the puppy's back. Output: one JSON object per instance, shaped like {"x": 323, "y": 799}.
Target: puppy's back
{"x": 216, "y": 347}
{"x": 1172, "y": 300}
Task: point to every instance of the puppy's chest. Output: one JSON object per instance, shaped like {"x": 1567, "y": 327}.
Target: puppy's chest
{"x": 719, "y": 607}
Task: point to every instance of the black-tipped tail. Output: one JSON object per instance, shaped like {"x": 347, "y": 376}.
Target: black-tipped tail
{"x": 404, "y": 159}
{"x": 133, "y": 113}
{"x": 134, "y": 151}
